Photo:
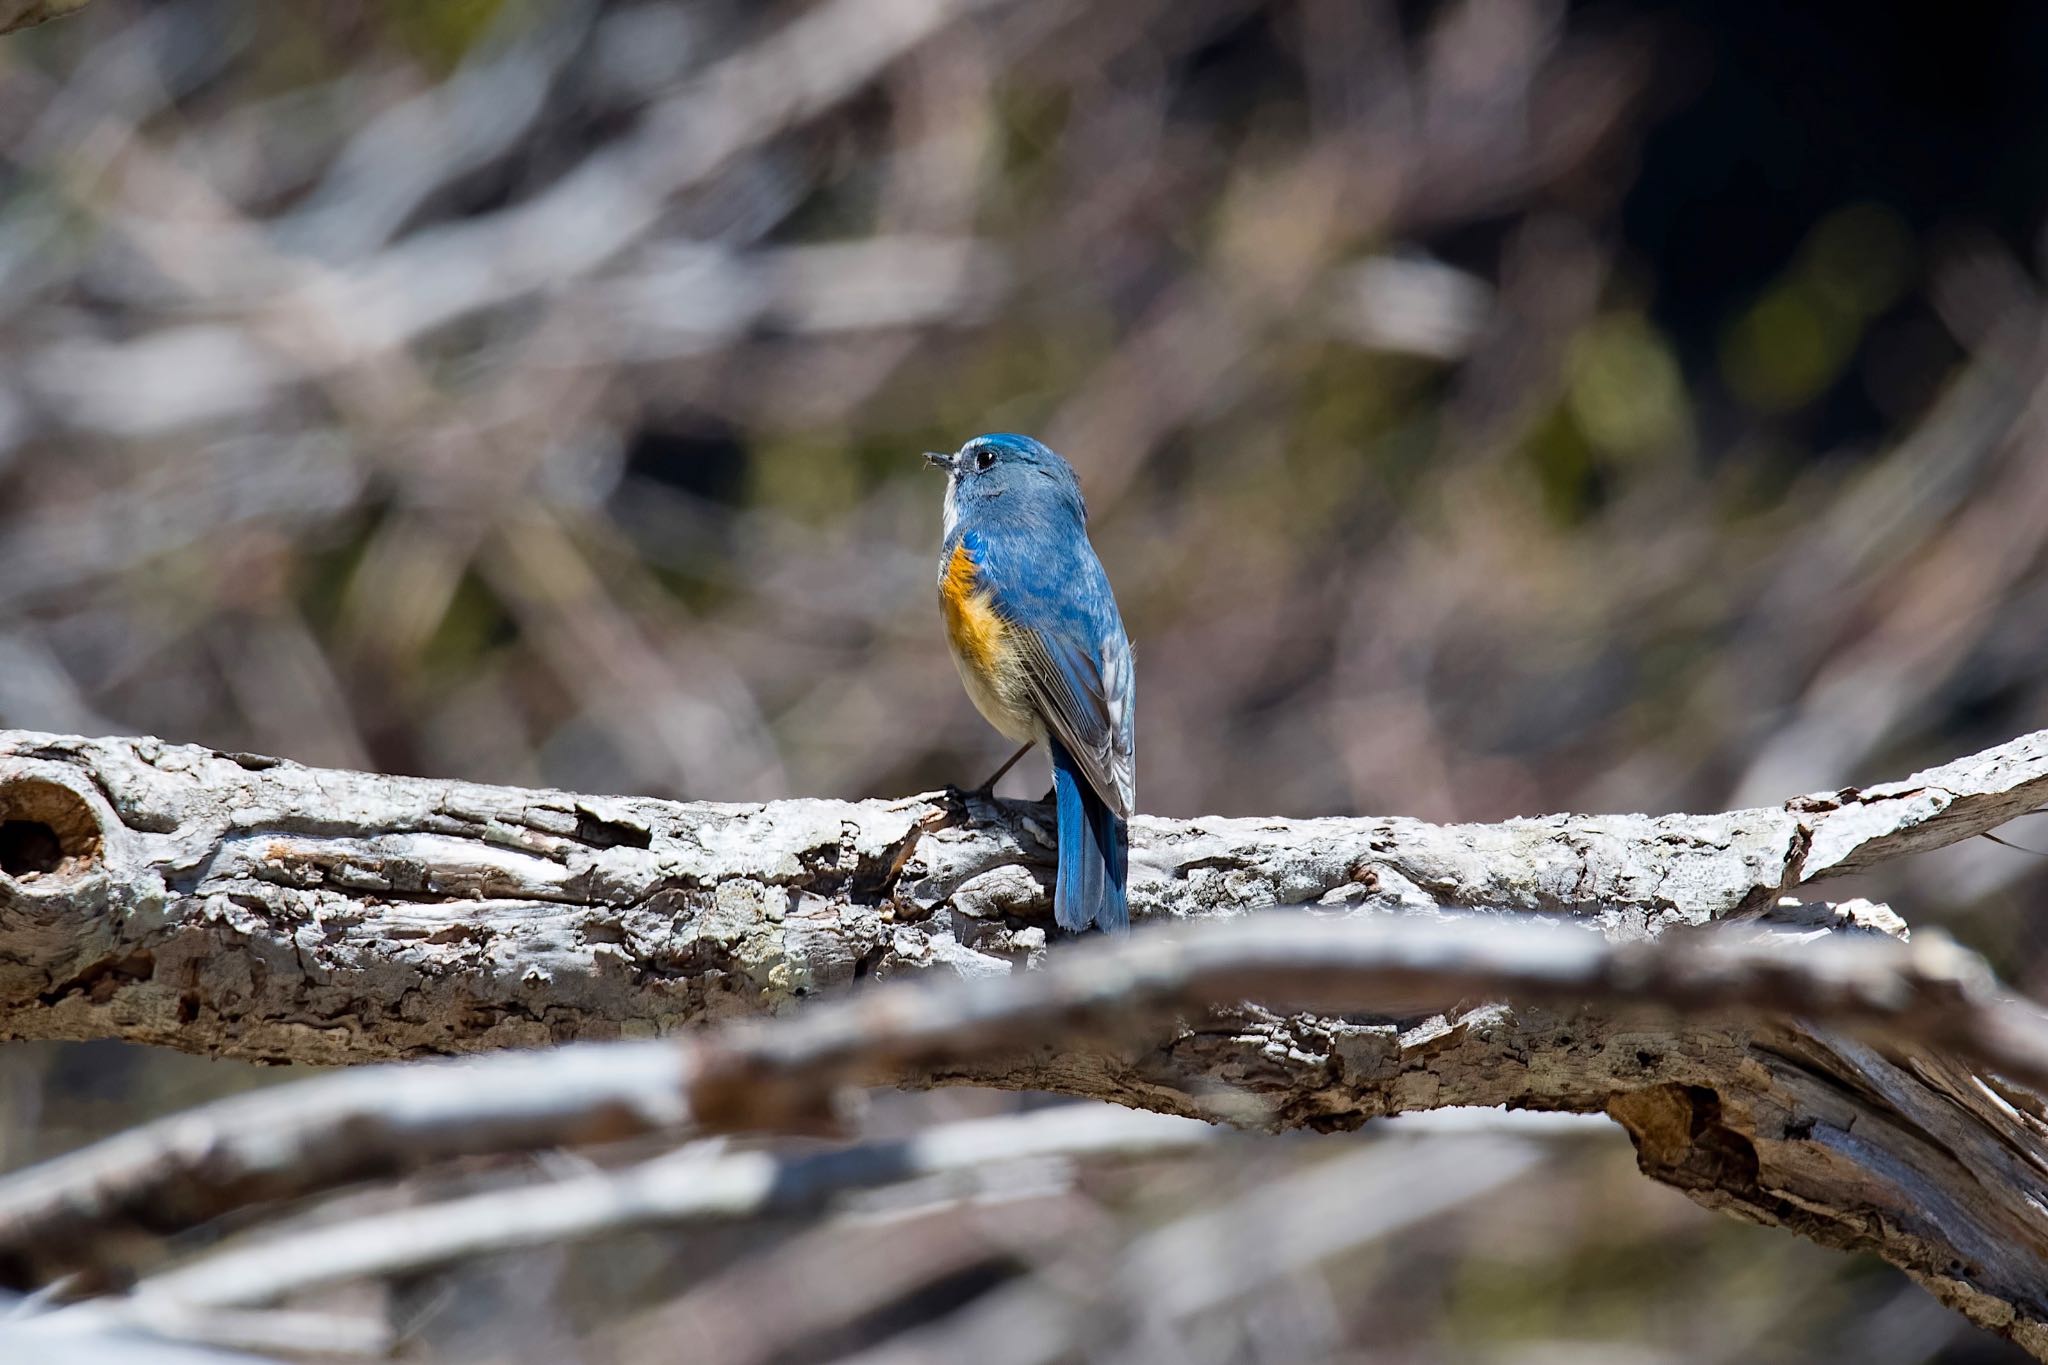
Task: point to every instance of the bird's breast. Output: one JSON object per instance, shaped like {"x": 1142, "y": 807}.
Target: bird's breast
{"x": 972, "y": 625}
{"x": 983, "y": 649}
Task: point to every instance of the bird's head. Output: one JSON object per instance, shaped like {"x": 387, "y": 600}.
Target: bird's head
{"x": 1010, "y": 471}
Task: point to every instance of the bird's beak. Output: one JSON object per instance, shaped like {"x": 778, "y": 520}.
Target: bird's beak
{"x": 939, "y": 460}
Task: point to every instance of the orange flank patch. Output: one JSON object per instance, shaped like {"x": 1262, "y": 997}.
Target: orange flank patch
{"x": 971, "y": 623}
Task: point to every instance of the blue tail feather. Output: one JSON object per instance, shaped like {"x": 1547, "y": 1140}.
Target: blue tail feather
{"x": 1114, "y": 914}
{"x": 1093, "y": 853}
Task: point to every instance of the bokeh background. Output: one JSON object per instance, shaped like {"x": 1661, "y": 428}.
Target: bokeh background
{"x": 1486, "y": 407}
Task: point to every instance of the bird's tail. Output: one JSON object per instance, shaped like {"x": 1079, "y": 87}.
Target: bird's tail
{"x": 1094, "y": 854}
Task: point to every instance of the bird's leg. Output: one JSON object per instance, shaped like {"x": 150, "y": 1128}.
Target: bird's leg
{"x": 988, "y": 788}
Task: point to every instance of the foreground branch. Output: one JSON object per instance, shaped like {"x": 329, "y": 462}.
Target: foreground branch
{"x": 237, "y": 904}
{"x": 1768, "y": 1145}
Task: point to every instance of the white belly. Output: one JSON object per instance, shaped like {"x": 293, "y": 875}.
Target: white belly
{"x": 1003, "y": 706}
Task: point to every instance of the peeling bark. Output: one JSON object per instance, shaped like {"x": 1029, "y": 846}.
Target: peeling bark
{"x": 237, "y": 904}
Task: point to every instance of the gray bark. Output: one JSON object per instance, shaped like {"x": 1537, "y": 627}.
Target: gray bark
{"x": 236, "y": 904}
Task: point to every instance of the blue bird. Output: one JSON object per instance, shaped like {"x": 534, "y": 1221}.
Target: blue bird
{"x": 1040, "y": 645}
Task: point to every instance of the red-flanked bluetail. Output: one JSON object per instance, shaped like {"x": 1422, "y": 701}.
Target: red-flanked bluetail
{"x": 1041, "y": 647}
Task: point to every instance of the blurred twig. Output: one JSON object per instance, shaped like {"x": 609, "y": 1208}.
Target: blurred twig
{"x": 17, "y": 14}
{"x": 1220, "y": 1256}
{"x": 684, "y": 1187}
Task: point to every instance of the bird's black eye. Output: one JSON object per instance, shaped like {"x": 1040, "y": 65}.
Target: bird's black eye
{"x": 984, "y": 457}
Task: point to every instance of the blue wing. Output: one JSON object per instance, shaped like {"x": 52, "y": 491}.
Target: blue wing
{"x": 1076, "y": 660}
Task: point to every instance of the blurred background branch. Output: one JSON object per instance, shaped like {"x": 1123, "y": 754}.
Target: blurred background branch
{"x": 18, "y": 14}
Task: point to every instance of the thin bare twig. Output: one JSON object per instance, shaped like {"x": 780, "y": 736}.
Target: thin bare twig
{"x": 683, "y": 1187}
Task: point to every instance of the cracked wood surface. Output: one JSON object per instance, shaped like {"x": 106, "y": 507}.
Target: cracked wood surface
{"x": 237, "y": 904}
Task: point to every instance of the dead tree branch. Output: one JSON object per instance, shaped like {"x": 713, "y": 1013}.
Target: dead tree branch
{"x": 240, "y": 905}
{"x": 1689, "y": 1040}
